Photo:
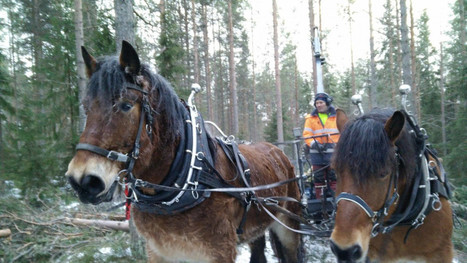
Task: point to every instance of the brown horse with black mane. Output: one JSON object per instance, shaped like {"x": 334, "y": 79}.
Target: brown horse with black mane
{"x": 392, "y": 193}
{"x": 139, "y": 133}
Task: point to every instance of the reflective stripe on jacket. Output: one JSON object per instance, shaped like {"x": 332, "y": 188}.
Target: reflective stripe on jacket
{"x": 314, "y": 126}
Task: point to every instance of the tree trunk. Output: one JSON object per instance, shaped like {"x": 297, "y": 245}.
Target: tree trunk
{"x": 416, "y": 90}
{"x": 206, "y": 62}
{"x": 79, "y": 42}
{"x": 352, "y": 67}
{"x": 125, "y": 30}
{"x": 280, "y": 128}
{"x": 124, "y": 22}
{"x": 441, "y": 86}
{"x": 296, "y": 110}
{"x": 115, "y": 225}
{"x": 311, "y": 17}
{"x": 391, "y": 62}
{"x": 195, "y": 50}
{"x": 406, "y": 70}
{"x": 373, "y": 84}
{"x": 254, "y": 127}
{"x": 186, "y": 77}
{"x": 195, "y": 43}
{"x": 399, "y": 46}
{"x": 232, "y": 77}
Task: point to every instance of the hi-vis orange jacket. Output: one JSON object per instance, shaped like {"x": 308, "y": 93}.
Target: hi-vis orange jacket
{"x": 314, "y": 126}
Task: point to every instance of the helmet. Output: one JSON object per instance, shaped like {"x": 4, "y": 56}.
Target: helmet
{"x": 324, "y": 97}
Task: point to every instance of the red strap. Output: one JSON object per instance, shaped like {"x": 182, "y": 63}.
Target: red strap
{"x": 127, "y": 204}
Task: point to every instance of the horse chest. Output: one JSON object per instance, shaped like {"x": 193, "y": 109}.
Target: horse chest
{"x": 178, "y": 249}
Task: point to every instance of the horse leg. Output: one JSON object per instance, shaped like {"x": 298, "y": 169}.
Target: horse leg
{"x": 286, "y": 242}
{"x": 257, "y": 250}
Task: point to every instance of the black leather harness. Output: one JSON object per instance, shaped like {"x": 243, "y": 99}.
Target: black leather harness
{"x": 192, "y": 170}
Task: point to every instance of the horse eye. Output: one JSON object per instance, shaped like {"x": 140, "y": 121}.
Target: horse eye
{"x": 125, "y": 106}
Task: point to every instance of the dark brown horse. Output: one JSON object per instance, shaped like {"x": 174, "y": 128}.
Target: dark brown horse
{"x": 391, "y": 193}
{"x": 138, "y": 132}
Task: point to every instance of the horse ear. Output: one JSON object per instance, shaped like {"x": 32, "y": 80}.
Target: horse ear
{"x": 394, "y": 125}
{"x": 341, "y": 119}
{"x": 89, "y": 61}
{"x": 129, "y": 59}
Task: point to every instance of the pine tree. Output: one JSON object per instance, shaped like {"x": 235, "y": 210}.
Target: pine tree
{"x": 456, "y": 94}
{"x": 430, "y": 97}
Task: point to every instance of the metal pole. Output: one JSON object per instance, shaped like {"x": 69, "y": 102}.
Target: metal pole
{"x": 319, "y": 61}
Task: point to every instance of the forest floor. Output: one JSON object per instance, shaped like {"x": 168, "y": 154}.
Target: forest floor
{"x": 41, "y": 231}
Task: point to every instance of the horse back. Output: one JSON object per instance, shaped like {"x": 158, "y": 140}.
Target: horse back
{"x": 268, "y": 164}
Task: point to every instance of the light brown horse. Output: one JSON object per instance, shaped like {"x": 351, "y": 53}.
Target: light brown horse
{"x": 381, "y": 193}
{"x": 136, "y": 128}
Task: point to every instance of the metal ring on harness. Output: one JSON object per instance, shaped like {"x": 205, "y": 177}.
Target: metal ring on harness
{"x": 436, "y": 205}
{"x": 121, "y": 179}
{"x": 200, "y": 156}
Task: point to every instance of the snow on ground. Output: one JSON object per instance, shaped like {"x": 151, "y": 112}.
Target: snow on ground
{"x": 317, "y": 251}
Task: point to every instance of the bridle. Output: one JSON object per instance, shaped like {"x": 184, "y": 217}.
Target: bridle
{"x": 422, "y": 198}
{"x": 377, "y": 217}
{"x": 131, "y": 157}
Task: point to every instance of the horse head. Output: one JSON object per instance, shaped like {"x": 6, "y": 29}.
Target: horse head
{"x": 365, "y": 163}
{"x": 131, "y": 117}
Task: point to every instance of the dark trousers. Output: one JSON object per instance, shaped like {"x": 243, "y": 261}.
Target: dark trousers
{"x": 322, "y": 178}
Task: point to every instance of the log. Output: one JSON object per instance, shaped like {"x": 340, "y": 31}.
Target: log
{"x": 115, "y": 225}
{"x": 100, "y": 216}
{"x": 5, "y": 232}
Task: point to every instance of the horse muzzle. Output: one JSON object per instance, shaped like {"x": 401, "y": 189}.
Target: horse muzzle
{"x": 91, "y": 188}
{"x": 353, "y": 254}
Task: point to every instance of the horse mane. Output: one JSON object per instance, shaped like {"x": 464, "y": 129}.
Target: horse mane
{"x": 365, "y": 149}
{"x": 107, "y": 85}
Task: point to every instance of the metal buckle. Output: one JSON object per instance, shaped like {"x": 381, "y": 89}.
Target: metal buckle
{"x": 112, "y": 155}
{"x": 271, "y": 201}
{"x": 375, "y": 230}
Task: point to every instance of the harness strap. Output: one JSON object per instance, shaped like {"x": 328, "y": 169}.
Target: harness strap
{"x": 358, "y": 201}
{"x": 111, "y": 155}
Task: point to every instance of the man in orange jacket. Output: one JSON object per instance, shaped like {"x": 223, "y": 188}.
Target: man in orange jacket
{"x": 321, "y": 135}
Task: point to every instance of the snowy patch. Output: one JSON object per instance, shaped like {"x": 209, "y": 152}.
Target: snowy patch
{"x": 72, "y": 205}
{"x": 106, "y": 250}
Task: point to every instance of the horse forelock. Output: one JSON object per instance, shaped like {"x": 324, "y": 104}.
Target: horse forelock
{"x": 364, "y": 148}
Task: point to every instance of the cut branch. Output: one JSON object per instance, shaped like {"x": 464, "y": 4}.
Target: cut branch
{"x": 115, "y": 225}
{"x": 5, "y": 232}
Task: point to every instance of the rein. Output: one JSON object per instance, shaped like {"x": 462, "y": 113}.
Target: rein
{"x": 180, "y": 190}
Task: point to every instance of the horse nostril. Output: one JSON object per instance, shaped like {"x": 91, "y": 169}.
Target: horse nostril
{"x": 92, "y": 184}
{"x": 356, "y": 252}
{"x": 350, "y": 254}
